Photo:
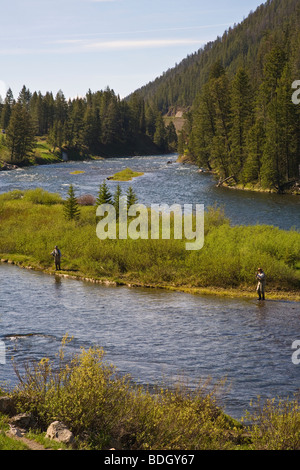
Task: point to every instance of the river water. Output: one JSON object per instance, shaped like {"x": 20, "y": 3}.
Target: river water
{"x": 154, "y": 335}
{"x": 161, "y": 183}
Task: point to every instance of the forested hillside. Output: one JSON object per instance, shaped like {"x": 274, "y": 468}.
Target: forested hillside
{"x": 245, "y": 44}
{"x": 238, "y": 90}
{"x": 96, "y": 124}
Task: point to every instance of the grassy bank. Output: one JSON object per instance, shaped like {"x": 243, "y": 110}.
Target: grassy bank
{"x": 105, "y": 410}
{"x": 32, "y": 223}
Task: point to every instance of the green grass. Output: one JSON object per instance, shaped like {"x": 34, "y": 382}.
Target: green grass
{"x": 6, "y": 442}
{"x": 43, "y": 153}
{"x": 125, "y": 175}
{"x": 32, "y": 223}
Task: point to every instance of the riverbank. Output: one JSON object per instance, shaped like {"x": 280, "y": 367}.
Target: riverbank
{"x": 44, "y": 154}
{"x": 32, "y": 223}
{"x": 243, "y": 292}
{"x": 292, "y": 188}
{"x": 99, "y": 409}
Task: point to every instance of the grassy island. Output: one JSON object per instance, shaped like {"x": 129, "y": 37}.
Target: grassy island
{"x": 125, "y": 175}
{"x": 111, "y": 411}
{"x": 33, "y": 222}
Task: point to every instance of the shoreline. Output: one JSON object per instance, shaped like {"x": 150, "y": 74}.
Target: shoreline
{"x": 233, "y": 293}
{"x": 295, "y": 191}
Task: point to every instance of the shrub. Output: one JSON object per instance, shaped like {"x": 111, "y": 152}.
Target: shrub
{"x": 86, "y": 200}
{"x": 40, "y": 196}
{"x": 90, "y": 397}
{"x": 275, "y": 424}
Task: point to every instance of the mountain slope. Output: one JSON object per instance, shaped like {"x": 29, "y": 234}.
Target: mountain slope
{"x": 243, "y": 45}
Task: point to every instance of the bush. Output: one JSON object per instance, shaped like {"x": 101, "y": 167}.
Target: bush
{"x": 40, "y": 196}
{"x": 275, "y": 425}
{"x": 90, "y": 397}
{"x": 12, "y": 195}
{"x": 86, "y": 200}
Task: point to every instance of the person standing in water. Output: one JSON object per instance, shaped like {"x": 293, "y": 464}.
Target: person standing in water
{"x": 261, "y": 277}
{"x": 56, "y": 253}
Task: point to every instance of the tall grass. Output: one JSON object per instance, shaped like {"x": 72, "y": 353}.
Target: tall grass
{"x": 32, "y": 223}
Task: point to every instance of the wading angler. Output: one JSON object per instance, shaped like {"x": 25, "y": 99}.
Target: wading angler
{"x": 158, "y": 222}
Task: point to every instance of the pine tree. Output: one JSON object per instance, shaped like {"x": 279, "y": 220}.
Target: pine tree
{"x": 203, "y": 127}
{"x": 104, "y": 195}
{"x": 171, "y": 137}
{"x": 160, "y": 133}
{"x": 255, "y": 142}
{"x": 242, "y": 120}
{"x": 25, "y": 97}
{"x": 131, "y": 197}
{"x": 91, "y": 129}
{"x": 116, "y": 200}
{"x": 221, "y": 149}
{"x": 7, "y": 109}
{"x": 71, "y": 209}
{"x": 20, "y": 136}
{"x": 56, "y": 136}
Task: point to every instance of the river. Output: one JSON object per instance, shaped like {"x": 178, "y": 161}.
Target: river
{"x": 154, "y": 335}
{"x": 161, "y": 183}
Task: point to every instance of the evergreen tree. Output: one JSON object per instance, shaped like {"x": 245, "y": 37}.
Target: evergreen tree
{"x": 160, "y": 133}
{"x": 203, "y": 127}
{"x": 20, "y": 135}
{"x": 71, "y": 208}
{"x": 111, "y": 122}
{"x": 56, "y": 136}
{"x": 116, "y": 200}
{"x": 91, "y": 129}
{"x": 171, "y": 137}
{"x": 25, "y": 97}
{"x": 7, "y": 109}
{"x": 150, "y": 119}
{"x": 221, "y": 147}
{"x": 75, "y": 124}
{"x": 241, "y": 120}
{"x": 255, "y": 142}
{"x": 131, "y": 197}
{"x": 137, "y": 113}
{"x": 104, "y": 195}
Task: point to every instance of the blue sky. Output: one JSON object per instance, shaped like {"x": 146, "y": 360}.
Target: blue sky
{"x": 74, "y": 45}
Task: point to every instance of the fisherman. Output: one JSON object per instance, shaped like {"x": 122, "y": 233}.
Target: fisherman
{"x": 56, "y": 253}
{"x": 261, "y": 277}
